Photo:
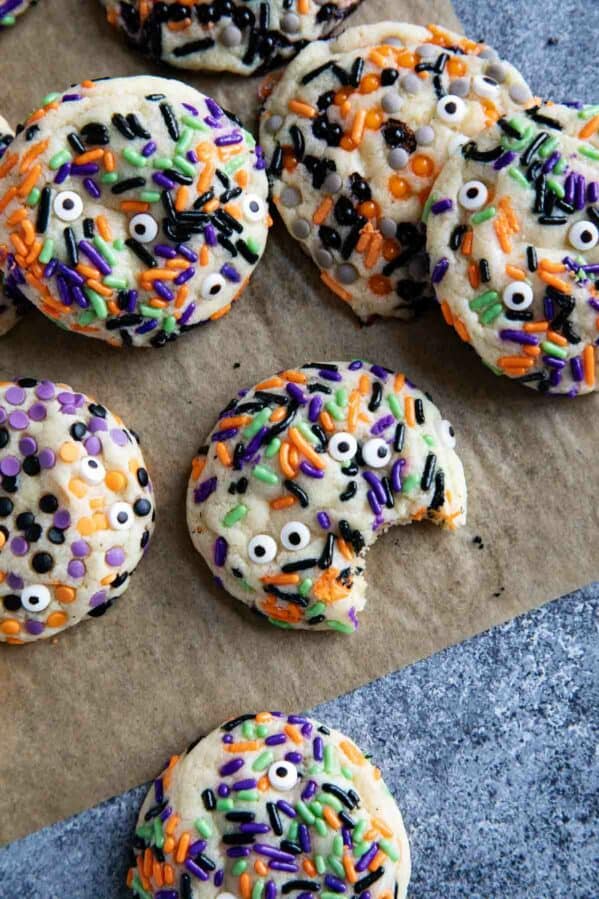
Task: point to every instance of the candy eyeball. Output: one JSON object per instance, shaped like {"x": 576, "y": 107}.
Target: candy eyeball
{"x": 212, "y": 286}
{"x": 283, "y": 776}
{"x": 376, "y": 453}
{"x": 91, "y": 470}
{"x": 518, "y": 295}
{"x": 473, "y": 195}
{"x": 35, "y": 598}
{"x": 485, "y": 86}
{"x": 583, "y": 235}
{"x": 451, "y": 109}
{"x": 447, "y": 433}
{"x": 342, "y": 446}
{"x": 143, "y": 227}
{"x": 254, "y": 208}
{"x": 68, "y": 205}
{"x": 295, "y": 536}
{"x": 120, "y": 516}
{"x": 262, "y": 549}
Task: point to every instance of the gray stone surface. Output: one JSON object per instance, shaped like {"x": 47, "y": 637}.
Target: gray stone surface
{"x": 488, "y": 747}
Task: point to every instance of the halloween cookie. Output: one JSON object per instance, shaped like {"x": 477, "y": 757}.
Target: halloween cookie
{"x": 12, "y": 306}
{"x": 355, "y": 132}
{"x": 513, "y": 237}
{"x": 132, "y": 209}
{"x": 270, "y": 805}
{"x": 227, "y": 35}
{"x": 300, "y": 476}
{"x": 10, "y": 9}
{"x": 76, "y": 508}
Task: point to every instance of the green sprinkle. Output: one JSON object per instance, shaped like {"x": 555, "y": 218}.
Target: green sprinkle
{"x": 144, "y": 831}
{"x": 327, "y": 799}
{"x": 358, "y": 831}
{"x": 518, "y": 125}
{"x": 48, "y": 248}
{"x": 225, "y": 805}
{"x": 135, "y": 883}
{"x": 552, "y": 349}
{"x": 341, "y": 396}
{"x": 98, "y": 303}
{"x": 347, "y": 773}
{"x": 395, "y": 406}
{"x": 265, "y": 474}
{"x": 109, "y": 177}
{"x": 389, "y": 850}
{"x": 360, "y": 848}
{"x": 548, "y": 147}
{"x": 203, "y": 827}
{"x": 237, "y": 162}
{"x": 248, "y": 730}
{"x": 169, "y": 324}
{"x": 292, "y": 830}
{"x": 282, "y": 624}
{"x": 338, "y": 845}
{"x": 316, "y": 808}
{"x": 184, "y": 166}
{"x": 106, "y": 251}
{"x": 149, "y": 196}
{"x": 561, "y": 166}
{"x": 118, "y": 244}
{"x": 150, "y": 312}
{"x": 34, "y": 197}
{"x": 272, "y": 448}
{"x": 253, "y": 245}
{"x": 262, "y": 730}
{"x": 162, "y": 162}
{"x": 588, "y": 151}
{"x": 7, "y": 21}
{"x": 320, "y": 864}
{"x": 341, "y": 627}
{"x": 86, "y": 318}
{"x": 303, "y": 810}
{"x": 428, "y": 439}
{"x": 307, "y": 432}
{"x": 184, "y": 142}
{"x": 196, "y": 123}
{"x": 517, "y": 175}
{"x": 483, "y": 216}
{"x": 587, "y": 112}
{"x": 248, "y": 795}
{"x": 305, "y": 587}
{"x": 59, "y": 159}
{"x": 115, "y": 282}
{"x": 50, "y": 98}
{"x": 234, "y": 515}
{"x": 330, "y": 759}
{"x": 249, "y": 138}
{"x": 483, "y": 300}
{"x": 336, "y": 866}
{"x": 333, "y": 409}
{"x": 409, "y": 483}
{"x": 321, "y": 828}
{"x": 257, "y": 422}
{"x": 427, "y": 207}
{"x": 556, "y": 187}
{"x": 134, "y": 158}
{"x": 328, "y": 895}
{"x": 258, "y": 889}
{"x": 239, "y": 867}
{"x": 158, "y": 833}
{"x": 490, "y": 314}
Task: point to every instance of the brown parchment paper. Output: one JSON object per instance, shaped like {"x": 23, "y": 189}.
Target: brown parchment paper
{"x": 99, "y": 708}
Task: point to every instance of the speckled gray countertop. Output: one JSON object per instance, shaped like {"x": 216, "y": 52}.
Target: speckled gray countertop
{"x": 491, "y": 746}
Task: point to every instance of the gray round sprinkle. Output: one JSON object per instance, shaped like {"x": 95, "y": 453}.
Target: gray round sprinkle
{"x": 425, "y": 135}
{"x": 300, "y": 228}
{"x": 398, "y": 158}
{"x": 273, "y": 124}
{"x": 391, "y": 102}
{"x": 411, "y": 83}
{"x": 520, "y": 93}
{"x": 488, "y": 53}
{"x": 346, "y": 273}
{"x": 231, "y": 36}
{"x": 290, "y": 23}
{"x": 332, "y": 183}
{"x": 496, "y": 71}
{"x": 427, "y": 51}
{"x": 291, "y": 197}
{"x": 323, "y": 258}
{"x": 459, "y": 87}
{"x": 388, "y": 228}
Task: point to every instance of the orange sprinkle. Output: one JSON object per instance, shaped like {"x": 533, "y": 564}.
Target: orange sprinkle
{"x": 303, "y": 7}
{"x": 244, "y": 746}
{"x": 296, "y": 376}
{"x": 275, "y": 381}
{"x": 8, "y": 164}
{"x": 350, "y": 871}
{"x": 263, "y": 784}
{"x": 134, "y": 206}
{"x": 168, "y": 873}
{"x": 182, "y": 847}
{"x": 467, "y": 243}
{"x": 335, "y": 287}
{"x": 422, "y": 165}
{"x": 352, "y": 752}
{"x": 532, "y": 351}
{"x": 206, "y": 177}
{"x": 589, "y": 128}
{"x": 399, "y": 187}
{"x": 10, "y": 626}
{"x": 446, "y": 311}
{"x": 181, "y": 198}
{"x": 245, "y": 885}
{"x": 374, "y": 250}
{"x": 409, "y": 411}
{"x": 234, "y": 421}
{"x": 502, "y": 236}
{"x": 32, "y": 154}
{"x": 309, "y": 867}
{"x": 304, "y": 447}
{"x": 57, "y": 619}
{"x": 223, "y": 454}
{"x": 109, "y": 161}
{"x": 104, "y": 227}
{"x": 382, "y": 827}
{"x": 549, "y": 266}
{"x": 302, "y": 109}
{"x": 516, "y": 273}
{"x": 7, "y": 197}
{"x": 378, "y": 859}
{"x": 89, "y": 156}
{"x": 554, "y": 281}
{"x": 557, "y": 338}
{"x": 204, "y": 255}
{"x": 326, "y": 421}
{"x": 29, "y": 182}
{"x": 535, "y": 327}
{"x": 474, "y": 275}
{"x": 323, "y": 210}
{"x": 280, "y": 579}
{"x": 260, "y": 868}
{"x": 357, "y": 130}
{"x": 331, "y": 818}
{"x": 588, "y": 365}
{"x": 294, "y": 734}
{"x": 519, "y": 363}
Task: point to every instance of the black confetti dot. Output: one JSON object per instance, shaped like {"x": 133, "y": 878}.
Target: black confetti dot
{"x": 42, "y": 563}
{"x": 48, "y": 503}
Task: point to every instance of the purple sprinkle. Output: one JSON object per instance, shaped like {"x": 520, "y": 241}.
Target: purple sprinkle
{"x": 71, "y": 98}
{"x": 442, "y": 206}
{"x": 230, "y": 272}
{"x": 272, "y": 852}
{"x": 15, "y": 396}
{"x": 63, "y": 173}
{"x": 19, "y": 545}
{"x": 275, "y": 740}
{"x": 226, "y": 140}
{"x": 149, "y": 148}
{"x": 382, "y": 424}
{"x": 80, "y": 297}
{"x": 374, "y": 503}
{"x": 316, "y": 404}
{"x": 18, "y": 420}
{"x": 304, "y": 836}
{"x": 62, "y": 519}
{"x": 161, "y": 180}
{"x": 593, "y": 192}
{"x": 164, "y": 251}
{"x": 318, "y": 749}
{"x": 219, "y": 877}
{"x": 440, "y": 270}
{"x": 519, "y": 337}
{"x": 310, "y": 470}
{"x": 309, "y": 790}
{"x": 255, "y": 443}
{"x": 63, "y": 291}
{"x": 187, "y": 313}
{"x": 295, "y": 758}
{"x": 225, "y": 434}
{"x": 270, "y": 891}
{"x": 118, "y": 437}
{"x": 376, "y": 485}
{"x": 27, "y": 446}
{"x": 334, "y": 883}
{"x": 551, "y": 163}
{"x": 555, "y": 377}
{"x": 247, "y": 783}
{"x": 355, "y": 365}
{"x": 223, "y": 791}
{"x": 70, "y": 274}
{"x": 191, "y": 109}
{"x": 548, "y": 308}
{"x": 92, "y": 188}
{"x": 210, "y": 235}
{"x": 34, "y": 627}
{"x": 220, "y": 557}
{"x": 47, "y": 458}
{"x": 396, "y": 475}
{"x": 238, "y": 851}
{"x": 88, "y": 168}
{"x": 504, "y": 160}
{"x": 231, "y": 767}
{"x": 166, "y": 894}
{"x": 196, "y": 847}
{"x": 92, "y": 254}
{"x": 553, "y": 363}
{"x": 286, "y": 808}
{"x": 10, "y": 466}
{"x": 131, "y": 300}
{"x": 50, "y": 268}
{"x": 76, "y": 569}
{"x": 163, "y": 291}
{"x": 254, "y": 827}
{"x": 115, "y": 556}
{"x": 296, "y": 393}
{"x": 576, "y": 368}
{"x": 213, "y": 107}
{"x": 187, "y": 253}
{"x": 191, "y": 157}
{"x": 195, "y": 869}
{"x": 80, "y": 548}
{"x": 185, "y": 275}
{"x": 290, "y": 867}
{"x": 323, "y": 520}
{"x": 365, "y": 859}
{"x": 329, "y": 375}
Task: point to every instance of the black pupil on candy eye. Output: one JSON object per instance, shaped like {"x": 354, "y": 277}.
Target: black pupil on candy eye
{"x": 451, "y": 431}
{"x": 254, "y": 206}
{"x": 343, "y": 446}
{"x": 33, "y": 600}
{"x": 472, "y": 192}
{"x": 140, "y": 229}
{"x": 282, "y": 772}
{"x": 518, "y": 298}
{"x": 260, "y": 551}
{"x": 586, "y": 236}
{"x": 68, "y": 203}
{"x": 381, "y": 452}
{"x": 450, "y": 108}
{"x": 122, "y": 517}
{"x": 295, "y": 538}
{"x": 92, "y": 464}
{"x": 214, "y": 290}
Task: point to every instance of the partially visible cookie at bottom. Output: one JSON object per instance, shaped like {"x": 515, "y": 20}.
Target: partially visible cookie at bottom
{"x": 513, "y": 239}
{"x": 11, "y": 9}
{"x": 76, "y": 508}
{"x": 300, "y": 476}
{"x": 270, "y": 805}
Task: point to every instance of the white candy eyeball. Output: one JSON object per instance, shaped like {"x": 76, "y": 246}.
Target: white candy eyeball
{"x": 120, "y": 516}
{"x": 254, "y": 208}
{"x": 583, "y": 235}
{"x": 212, "y": 285}
{"x": 485, "y": 86}
{"x": 143, "y": 227}
{"x": 376, "y": 453}
{"x": 342, "y": 446}
{"x": 451, "y": 109}
{"x": 518, "y": 295}
{"x": 35, "y": 598}
{"x": 283, "y": 776}
{"x": 295, "y": 535}
{"x": 473, "y": 195}
{"x": 91, "y": 470}
{"x": 68, "y": 205}
{"x": 262, "y": 549}
{"x": 447, "y": 433}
